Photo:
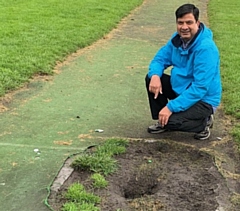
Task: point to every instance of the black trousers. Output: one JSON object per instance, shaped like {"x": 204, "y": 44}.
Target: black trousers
{"x": 193, "y": 119}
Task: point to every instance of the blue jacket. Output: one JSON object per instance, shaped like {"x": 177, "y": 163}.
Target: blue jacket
{"x": 195, "y": 73}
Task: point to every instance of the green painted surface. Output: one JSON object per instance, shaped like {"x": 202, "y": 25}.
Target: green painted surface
{"x": 103, "y": 88}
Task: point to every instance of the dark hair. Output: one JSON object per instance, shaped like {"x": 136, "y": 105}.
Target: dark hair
{"x": 186, "y": 9}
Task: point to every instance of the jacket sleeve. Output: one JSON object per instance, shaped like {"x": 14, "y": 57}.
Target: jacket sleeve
{"x": 206, "y": 62}
{"x": 161, "y": 61}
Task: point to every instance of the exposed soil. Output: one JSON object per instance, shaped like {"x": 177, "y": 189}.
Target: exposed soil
{"x": 158, "y": 175}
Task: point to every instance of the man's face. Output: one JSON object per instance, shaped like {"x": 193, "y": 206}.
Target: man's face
{"x": 187, "y": 26}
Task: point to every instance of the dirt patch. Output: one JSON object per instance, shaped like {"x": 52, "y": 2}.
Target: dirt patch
{"x": 158, "y": 176}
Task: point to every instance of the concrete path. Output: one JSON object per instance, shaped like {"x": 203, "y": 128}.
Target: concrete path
{"x": 100, "y": 87}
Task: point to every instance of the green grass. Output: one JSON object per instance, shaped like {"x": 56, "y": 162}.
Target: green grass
{"x": 112, "y": 147}
{"x": 71, "y": 206}
{"x": 79, "y": 199}
{"x": 35, "y": 34}
{"x": 101, "y": 161}
{"x": 95, "y": 163}
{"x": 99, "y": 181}
{"x": 224, "y": 19}
{"x": 77, "y": 193}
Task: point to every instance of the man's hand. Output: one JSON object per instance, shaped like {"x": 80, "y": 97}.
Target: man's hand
{"x": 164, "y": 115}
{"x": 155, "y": 86}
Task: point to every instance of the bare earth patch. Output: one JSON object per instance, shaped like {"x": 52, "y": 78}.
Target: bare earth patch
{"x": 158, "y": 175}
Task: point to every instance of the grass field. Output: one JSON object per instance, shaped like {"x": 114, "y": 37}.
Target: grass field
{"x": 225, "y": 22}
{"x": 35, "y": 34}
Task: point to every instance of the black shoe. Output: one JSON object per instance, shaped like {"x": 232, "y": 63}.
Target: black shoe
{"x": 205, "y": 134}
{"x": 156, "y": 128}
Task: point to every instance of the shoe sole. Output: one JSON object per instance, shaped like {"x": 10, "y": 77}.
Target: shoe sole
{"x": 203, "y": 138}
{"x": 156, "y": 131}
{"x": 211, "y": 124}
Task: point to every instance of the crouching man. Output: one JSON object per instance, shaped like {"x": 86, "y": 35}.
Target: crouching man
{"x": 186, "y": 99}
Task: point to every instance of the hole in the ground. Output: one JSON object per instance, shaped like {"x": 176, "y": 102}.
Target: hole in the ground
{"x": 149, "y": 187}
{"x": 162, "y": 176}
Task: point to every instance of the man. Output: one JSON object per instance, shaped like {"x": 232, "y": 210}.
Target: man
{"x": 186, "y": 100}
